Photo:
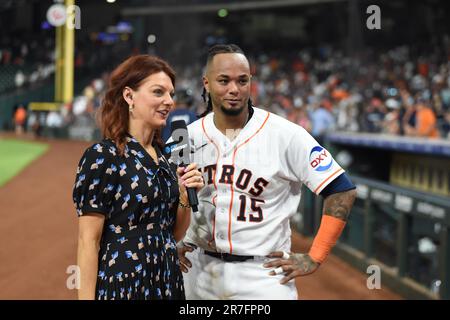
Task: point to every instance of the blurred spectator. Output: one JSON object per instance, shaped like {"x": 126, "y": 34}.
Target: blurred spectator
{"x": 54, "y": 122}
{"x": 89, "y": 92}
{"x": 375, "y": 114}
{"x": 34, "y": 124}
{"x": 322, "y": 120}
{"x": 80, "y": 105}
{"x": 446, "y": 125}
{"x": 19, "y": 79}
{"x": 407, "y": 113}
{"x": 425, "y": 121}
{"x": 20, "y": 117}
{"x": 391, "y": 123}
{"x": 300, "y": 116}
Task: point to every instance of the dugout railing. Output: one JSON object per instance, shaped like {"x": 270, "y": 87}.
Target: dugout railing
{"x": 404, "y": 232}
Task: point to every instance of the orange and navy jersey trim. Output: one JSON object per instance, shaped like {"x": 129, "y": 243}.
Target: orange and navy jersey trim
{"x": 334, "y": 174}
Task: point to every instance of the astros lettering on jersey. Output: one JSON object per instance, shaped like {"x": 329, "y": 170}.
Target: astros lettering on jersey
{"x": 253, "y": 182}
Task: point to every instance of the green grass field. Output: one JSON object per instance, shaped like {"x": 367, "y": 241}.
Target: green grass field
{"x": 16, "y": 155}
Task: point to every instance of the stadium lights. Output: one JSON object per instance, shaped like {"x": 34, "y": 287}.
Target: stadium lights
{"x": 151, "y": 38}
{"x": 222, "y": 13}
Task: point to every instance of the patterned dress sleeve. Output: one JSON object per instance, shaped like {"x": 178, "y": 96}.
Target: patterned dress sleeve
{"x": 95, "y": 180}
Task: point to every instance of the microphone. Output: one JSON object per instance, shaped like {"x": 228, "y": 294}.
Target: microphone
{"x": 180, "y": 135}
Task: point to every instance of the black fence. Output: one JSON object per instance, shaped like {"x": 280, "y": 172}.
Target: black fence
{"x": 405, "y": 233}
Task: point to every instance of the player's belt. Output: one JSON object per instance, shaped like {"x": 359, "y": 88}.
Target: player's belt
{"x": 228, "y": 257}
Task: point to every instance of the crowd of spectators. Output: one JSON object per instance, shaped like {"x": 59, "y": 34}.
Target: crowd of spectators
{"x": 400, "y": 91}
{"x": 25, "y": 61}
{"x": 397, "y": 92}
{"x": 28, "y": 61}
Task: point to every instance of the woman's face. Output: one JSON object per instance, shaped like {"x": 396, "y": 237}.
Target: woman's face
{"x": 153, "y": 101}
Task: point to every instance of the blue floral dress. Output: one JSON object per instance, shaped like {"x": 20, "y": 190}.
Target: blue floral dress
{"x": 138, "y": 257}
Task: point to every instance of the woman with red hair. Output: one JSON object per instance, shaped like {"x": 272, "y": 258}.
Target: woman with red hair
{"x": 132, "y": 202}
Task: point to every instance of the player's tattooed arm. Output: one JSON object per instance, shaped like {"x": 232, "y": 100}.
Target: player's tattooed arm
{"x": 338, "y": 205}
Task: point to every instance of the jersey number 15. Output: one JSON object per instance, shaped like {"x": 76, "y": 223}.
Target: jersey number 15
{"x": 254, "y": 207}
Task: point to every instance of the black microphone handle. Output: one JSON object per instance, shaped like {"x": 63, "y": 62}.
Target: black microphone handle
{"x": 192, "y": 194}
{"x": 193, "y": 200}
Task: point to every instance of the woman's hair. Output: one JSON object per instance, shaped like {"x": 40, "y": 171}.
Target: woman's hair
{"x": 217, "y": 49}
{"x": 113, "y": 116}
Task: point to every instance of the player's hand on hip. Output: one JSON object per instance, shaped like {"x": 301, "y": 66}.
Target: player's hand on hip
{"x": 185, "y": 263}
{"x": 190, "y": 177}
{"x": 291, "y": 264}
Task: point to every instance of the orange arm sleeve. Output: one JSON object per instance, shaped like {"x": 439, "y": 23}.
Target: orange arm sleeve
{"x": 329, "y": 232}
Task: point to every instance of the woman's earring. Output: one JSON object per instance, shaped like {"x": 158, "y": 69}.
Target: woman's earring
{"x": 131, "y": 107}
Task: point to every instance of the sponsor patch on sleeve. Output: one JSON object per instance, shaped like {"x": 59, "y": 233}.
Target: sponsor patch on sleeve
{"x": 320, "y": 159}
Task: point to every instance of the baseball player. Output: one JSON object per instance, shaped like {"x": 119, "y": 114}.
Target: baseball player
{"x": 254, "y": 164}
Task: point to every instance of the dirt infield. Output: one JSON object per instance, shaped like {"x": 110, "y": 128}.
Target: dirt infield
{"x": 38, "y": 236}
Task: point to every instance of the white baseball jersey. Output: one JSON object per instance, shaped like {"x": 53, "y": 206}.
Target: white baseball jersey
{"x": 253, "y": 183}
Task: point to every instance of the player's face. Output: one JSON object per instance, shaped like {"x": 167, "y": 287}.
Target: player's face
{"x": 153, "y": 100}
{"x": 228, "y": 82}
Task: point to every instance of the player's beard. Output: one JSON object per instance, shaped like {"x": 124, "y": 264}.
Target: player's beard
{"x": 233, "y": 111}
